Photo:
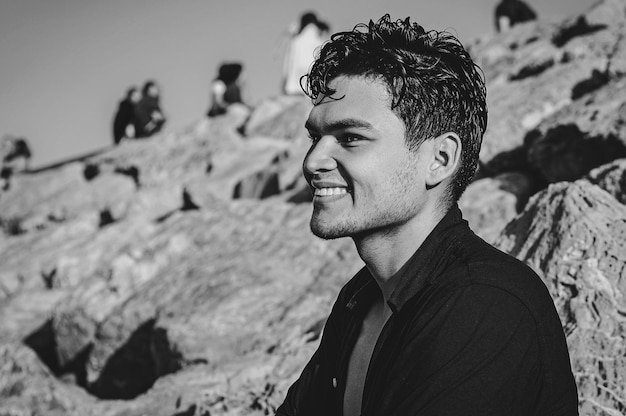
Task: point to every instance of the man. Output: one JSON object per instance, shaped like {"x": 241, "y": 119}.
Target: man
{"x": 438, "y": 322}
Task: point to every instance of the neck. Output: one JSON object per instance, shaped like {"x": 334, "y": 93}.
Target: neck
{"x": 386, "y": 251}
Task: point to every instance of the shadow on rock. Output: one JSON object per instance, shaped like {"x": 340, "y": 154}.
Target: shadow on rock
{"x": 134, "y": 368}
{"x": 565, "y": 153}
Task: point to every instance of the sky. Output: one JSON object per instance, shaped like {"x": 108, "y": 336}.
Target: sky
{"x": 65, "y": 64}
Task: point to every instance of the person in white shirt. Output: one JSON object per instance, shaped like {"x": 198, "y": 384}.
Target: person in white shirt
{"x": 301, "y": 51}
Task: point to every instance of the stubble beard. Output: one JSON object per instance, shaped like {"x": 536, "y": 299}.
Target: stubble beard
{"x": 327, "y": 230}
{"x": 392, "y": 211}
{"x": 356, "y": 227}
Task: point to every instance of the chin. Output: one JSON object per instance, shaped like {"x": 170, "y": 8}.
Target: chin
{"x": 327, "y": 231}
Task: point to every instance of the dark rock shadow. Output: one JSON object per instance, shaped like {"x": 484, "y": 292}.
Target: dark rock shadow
{"x": 565, "y": 153}
{"x": 597, "y": 80}
{"x": 43, "y": 342}
{"x": 129, "y": 372}
{"x": 130, "y": 171}
{"x": 514, "y": 160}
{"x": 188, "y": 204}
{"x": 578, "y": 27}
{"x": 260, "y": 185}
{"x": 90, "y": 171}
{"x": 532, "y": 70}
{"x": 106, "y": 218}
{"x": 192, "y": 411}
{"x": 11, "y": 226}
{"x": 136, "y": 365}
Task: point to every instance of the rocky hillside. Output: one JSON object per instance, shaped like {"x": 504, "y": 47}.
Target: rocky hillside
{"x": 176, "y": 275}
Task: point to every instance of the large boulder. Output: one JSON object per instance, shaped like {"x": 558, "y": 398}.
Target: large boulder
{"x": 539, "y": 69}
{"x": 137, "y": 301}
{"x": 574, "y": 236}
{"x": 271, "y": 290}
{"x": 28, "y": 388}
{"x": 39, "y": 200}
{"x": 280, "y": 117}
{"x": 612, "y": 178}
{"x": 249, "y": 159}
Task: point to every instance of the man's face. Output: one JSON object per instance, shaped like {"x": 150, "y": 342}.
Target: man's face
{"x": 364, "y": 177}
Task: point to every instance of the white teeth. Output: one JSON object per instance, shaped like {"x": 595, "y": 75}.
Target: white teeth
{"x": 330, "y": 191}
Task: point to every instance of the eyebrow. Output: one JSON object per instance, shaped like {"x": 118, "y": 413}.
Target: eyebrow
{"x": 340, "y": 125}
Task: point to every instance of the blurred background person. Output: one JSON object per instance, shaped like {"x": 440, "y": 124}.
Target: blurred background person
{"x": 226, "y": 88}
{"x": 301, "y": 51}
{"x": 512, "y": 12}
{"x": 149, "y": 118}
{"x": 123, "y": 123}
{"x": 15, "y": 156}
{"x": 15, "y": 152}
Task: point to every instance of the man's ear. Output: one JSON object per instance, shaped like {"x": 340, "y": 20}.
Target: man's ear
{"x": 445, "y": 159}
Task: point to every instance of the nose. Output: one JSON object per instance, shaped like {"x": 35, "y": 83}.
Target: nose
{"x": 320, "y": 158}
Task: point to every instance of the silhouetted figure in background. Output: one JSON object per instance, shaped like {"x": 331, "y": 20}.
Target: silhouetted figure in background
{"x": 301, "y": 51}
{"x": 123, "y": 123}
{"x": 13, "y": 149}
{"x": 15, "y": 156}
{"x": 149, "y": 118}
{"x": 511, "y": 12}
{"x": 225, "y": 89}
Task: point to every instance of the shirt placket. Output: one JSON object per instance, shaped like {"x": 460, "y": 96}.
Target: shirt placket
{"x": 355, "y": 321}
{"x": 374, "y": 376}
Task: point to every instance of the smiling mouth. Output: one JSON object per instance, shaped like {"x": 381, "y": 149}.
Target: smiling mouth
{"x": 330, "y": 191}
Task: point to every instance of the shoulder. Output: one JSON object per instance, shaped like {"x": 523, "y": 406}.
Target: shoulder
{"x": 485, "y": 264}
{"x": 484, "y": 272}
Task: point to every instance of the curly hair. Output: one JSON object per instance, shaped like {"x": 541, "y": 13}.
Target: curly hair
{"x": 434, "y": 84}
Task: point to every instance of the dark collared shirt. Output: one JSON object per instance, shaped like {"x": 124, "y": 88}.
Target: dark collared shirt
{"x": 473, "y": 331}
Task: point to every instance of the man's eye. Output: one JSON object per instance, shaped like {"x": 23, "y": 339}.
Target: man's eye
{"x": 350, "y": 139}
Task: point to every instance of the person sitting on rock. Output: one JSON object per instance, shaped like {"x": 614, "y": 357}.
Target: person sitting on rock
{"x": 149, "y": 118}
{"x": 301, "y": 51}
{"x": 15, "y": 149}
{"x": 512, "y": 12}
{"x": 15, "y": 157}
{"x": 438, "y": 321}
{"x": 226, "y": 88}
{"x": 123, "y": 123}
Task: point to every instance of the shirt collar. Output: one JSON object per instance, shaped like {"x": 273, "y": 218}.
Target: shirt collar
{"x": 418, "y": 271}
{"x": 433, "y": 255}
{"x": 366, "y": 290}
